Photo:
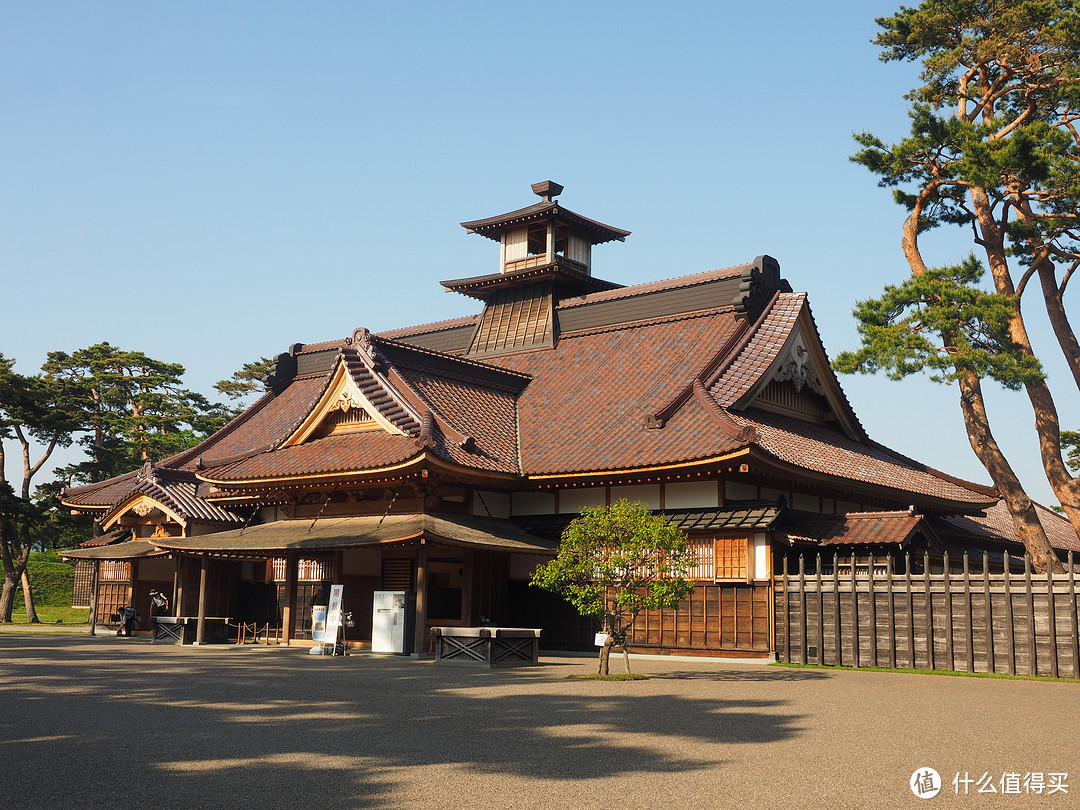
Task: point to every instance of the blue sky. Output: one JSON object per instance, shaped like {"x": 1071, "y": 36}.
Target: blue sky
{"x": 211, "y": 182}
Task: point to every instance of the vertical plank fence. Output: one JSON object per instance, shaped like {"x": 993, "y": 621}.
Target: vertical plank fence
{"x": 935, "y": 614}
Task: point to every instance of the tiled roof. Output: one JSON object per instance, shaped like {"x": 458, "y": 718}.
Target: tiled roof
{"x": 856, "y": 528}
{"x": 266, "y": 424}
{"x": 485, "y": 413}
{"x": 587, "y": 405}
{"x": 329, "y": 455}
{"x": 829, "y": 452}
{"x": 179, "y": 496}
{"x": 100, "y": 495}
{"x": 997, "y": 525}
{"x": 745, "y": 366}
{"x": 757, "y": 516}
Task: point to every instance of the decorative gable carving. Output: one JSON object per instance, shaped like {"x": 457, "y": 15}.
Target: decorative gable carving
{"x": 795, "y": 364}
{"x": 343, "y": 408}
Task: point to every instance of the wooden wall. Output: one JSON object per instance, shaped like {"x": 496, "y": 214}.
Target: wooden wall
{"x": 953, "y": 615}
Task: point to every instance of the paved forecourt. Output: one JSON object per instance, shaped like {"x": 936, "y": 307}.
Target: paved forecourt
{"x": 100, "y": 721}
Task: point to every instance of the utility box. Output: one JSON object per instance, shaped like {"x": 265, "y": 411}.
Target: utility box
{"x": 392, "y": 617}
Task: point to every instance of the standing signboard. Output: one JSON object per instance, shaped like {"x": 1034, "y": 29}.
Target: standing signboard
{"x": 333, "y": 615}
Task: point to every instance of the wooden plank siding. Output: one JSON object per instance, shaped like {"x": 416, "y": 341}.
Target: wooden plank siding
{"x": 716, "y": 618}
{"x": 967, "y": 619}
{"x": 691, "y": 298}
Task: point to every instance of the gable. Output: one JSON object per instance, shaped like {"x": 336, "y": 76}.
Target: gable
{"x": 355, "y": 400}
{"x": 781, "y": 366}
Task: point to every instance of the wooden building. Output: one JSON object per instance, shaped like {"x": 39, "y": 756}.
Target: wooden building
{"x": 446, "y": 459}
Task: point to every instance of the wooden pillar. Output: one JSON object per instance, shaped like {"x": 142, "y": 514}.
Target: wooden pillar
{"x": 470, "y": 614}
{"x": 177, "y": 588}
{"x": 94, "y": 579}
{"x": 420, "y": 637}
{"x": 200, "y": 627}
{"x": 133, "y": 576}
{"x": 292, "y": 574}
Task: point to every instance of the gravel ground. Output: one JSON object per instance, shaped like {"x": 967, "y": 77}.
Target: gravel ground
{"x": 102, "y": 721}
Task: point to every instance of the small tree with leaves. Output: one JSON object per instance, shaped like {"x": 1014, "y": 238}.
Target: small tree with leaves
{"x": 615, "y": 562}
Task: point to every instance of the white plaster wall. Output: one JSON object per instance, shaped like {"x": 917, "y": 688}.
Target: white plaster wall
{"x": 740, "y": 491}
{"x": 498, "y": 502}
{"x": 572, "y": 501}
{"x": 532, "y": 503}
{"x": 691, "y": 495}
{"x": 648, "y": 494}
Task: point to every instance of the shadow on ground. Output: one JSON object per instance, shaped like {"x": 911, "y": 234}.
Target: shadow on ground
{"x": 85, "y": 722}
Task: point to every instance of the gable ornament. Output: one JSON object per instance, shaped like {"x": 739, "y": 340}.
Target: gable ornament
{"x": 795, "y": 365}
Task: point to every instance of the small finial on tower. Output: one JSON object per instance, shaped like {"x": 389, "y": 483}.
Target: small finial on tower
{"x": 547, "y": 190}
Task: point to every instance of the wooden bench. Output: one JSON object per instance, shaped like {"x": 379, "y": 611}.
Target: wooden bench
{"x": 183, "y": 629}
{"x": 486, "y": 647}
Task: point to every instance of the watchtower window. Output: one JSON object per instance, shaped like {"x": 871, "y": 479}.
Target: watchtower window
{"x": 537, "y": 240}
{"x": 562, "y": 239}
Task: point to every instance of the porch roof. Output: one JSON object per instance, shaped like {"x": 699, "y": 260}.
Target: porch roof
{"x": 750, "y": 515}
{"x": 367, "y": 530}
{"x": 859, "y": 528}
{"x": 128, "y": 550}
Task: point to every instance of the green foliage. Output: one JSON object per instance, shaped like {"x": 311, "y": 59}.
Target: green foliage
{"x": 943, "y": 323}
{"x": 1070, "y": 444}
{"x": 616, "y": 561}
{"x": 995, "y": 112}
{"x": 248, "y": 380}
{"x": 133, "y": 408}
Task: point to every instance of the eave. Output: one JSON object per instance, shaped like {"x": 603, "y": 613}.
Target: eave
{"x": 693, "y": 467}
{"x": 764, "y": 463}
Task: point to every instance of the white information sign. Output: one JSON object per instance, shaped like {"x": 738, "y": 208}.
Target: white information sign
{"x": 333, "y": 614}
{"x": 601, "y": 639}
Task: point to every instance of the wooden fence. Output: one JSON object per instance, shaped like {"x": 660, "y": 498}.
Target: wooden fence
{"x": 951, "y": 615}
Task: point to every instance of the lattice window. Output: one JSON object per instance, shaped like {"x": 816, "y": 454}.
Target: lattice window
{"x": 732, "y": 558}
{"x": 115, "y": 571}
{"x": 703, "y": 566}
{"x": 307, "y": 570}
{"x": 83, "y": 592}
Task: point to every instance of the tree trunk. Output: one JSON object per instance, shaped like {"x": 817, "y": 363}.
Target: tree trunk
{"x": 7, "y": 596}
{"x": 1025, "y": 518}
{"x": 605, "y": 648}
{"x": 1055, "y": 310}
{"x": 28, "y": 599}
{"x": 1066, "y": 488}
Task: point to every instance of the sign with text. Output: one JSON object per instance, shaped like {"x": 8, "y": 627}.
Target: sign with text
{"x": 333, "y": 614}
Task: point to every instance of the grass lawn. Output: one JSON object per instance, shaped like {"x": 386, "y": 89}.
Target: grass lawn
{"x": 50, "y": 614}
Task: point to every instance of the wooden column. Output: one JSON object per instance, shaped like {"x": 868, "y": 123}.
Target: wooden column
{"x": 469, "y": 613}
{"x": 200, "y": 627}
{"x": 288, "y": 617}
{"x": 420, "y": 636}
{"x": 94, "y": 578}
{"x": 177, "y": 588}
{"x": 133, "y": 575}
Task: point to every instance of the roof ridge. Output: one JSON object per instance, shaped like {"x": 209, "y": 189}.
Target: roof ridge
{"x": 660, "y": 285}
